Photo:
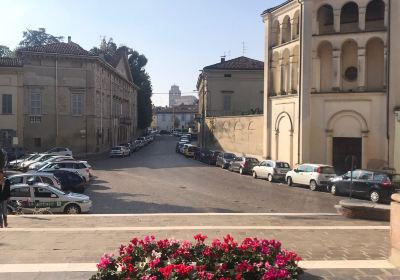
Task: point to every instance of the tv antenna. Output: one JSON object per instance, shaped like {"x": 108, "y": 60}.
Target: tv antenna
{"x": 244, "y": 49}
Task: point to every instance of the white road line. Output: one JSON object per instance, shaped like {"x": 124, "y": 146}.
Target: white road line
{"x": 167, "y": 228}
{"x": 185, "y": 214}
{"x": 91, "y": 267}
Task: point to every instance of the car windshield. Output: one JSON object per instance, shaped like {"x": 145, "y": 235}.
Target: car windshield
{"x": 56, "y": 191}
{"x": 34, "y": 157}
{"x": 116, "y": 149}
{"x": 252, "y": 160}
{"x": 327, "y": 170}
{"x": 380, "y": 177}
{"x": 282, "y": 165}
{"x": 229, "y": 156}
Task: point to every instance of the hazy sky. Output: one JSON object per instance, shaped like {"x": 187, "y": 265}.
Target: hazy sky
{"x": 179, "y": 37}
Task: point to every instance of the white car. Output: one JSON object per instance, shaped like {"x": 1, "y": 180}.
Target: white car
{"x": 74, "y": 166}
{"x": 37, "y": 177}
{"x": 271, "y": 170}
{"x": 25, "y": 165}
{"x": 54, "y": 158}
{"x": 119, "y": 151}
{"x": 45, "y": 196}
{"x": 313, "y": 175}
{"x": 60, "y": 151}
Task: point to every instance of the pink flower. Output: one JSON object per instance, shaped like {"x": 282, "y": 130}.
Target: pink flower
{"x": 105, "y": 261}
{"x": 200, "y": 238}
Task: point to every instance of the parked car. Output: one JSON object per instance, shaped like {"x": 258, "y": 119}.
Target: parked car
{"x": 190, "y": 151}
{"x": 52, "y": 159}
{"x": 43, "y": 196}
{"x": 243, "y": 165}
{"x": 39, "y": 163}
{"x": 184, "y": 147}
{"x": 69, "y": 180}
{"x": 24, "y": 166}
{"x": 224, "y": 159}
{"x": 312, "y": 175}
{"x": 138, "y": 144}
{"x": 14, "y": 153}
{"x": 376, "y": 186}
{"x": 89, "y": 167}
{"x": 14, "y": 163}
{"x": 31, "y": 178}
{"x": 76, "y": 166}
{"x": 119, "y": 151}
{"x": 60, "y": 151}
{"x": 128, "y": 147}
{"x": 165, "y": 132}
{"x": 271, "y": 170}
{"x": 144, "y": 140}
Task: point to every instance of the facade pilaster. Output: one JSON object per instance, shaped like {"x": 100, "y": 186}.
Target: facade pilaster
{"x": 364, "y": 135}
{"x": 315, "y": 72}
{"x": 397, "y": 140}
{"x": 385, "y": 67}
{"x": 361, "y": 69}
{"x": 336, "y": 20}
{"x": 361, "y": 17}
{"x": 290, "y": 77}
{"x": 268, "y": 86}
{"x": 329, "y": 147}
{"x": 337, "y": 68}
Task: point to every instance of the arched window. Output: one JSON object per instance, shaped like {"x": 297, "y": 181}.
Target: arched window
{"x": 349, "y": 73}
{"x": 285, "y": 73}
{"x": 276, "y": 34}
{"x": 286, "y": 30}
{"x": 325, "y": 20}
{"x": 325, "y": 67}
{"x": 295, "y": 70}
{"x": 375, "y": 64}
{"x": 349, "y": 18}
{"x": 275, "y": 77}
{"x": 375, "y": 16}
{"x": 296, "y": 26}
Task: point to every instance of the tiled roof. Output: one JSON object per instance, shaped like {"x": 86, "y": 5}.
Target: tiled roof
{"x": 59, "y": 48}
{"x": 240, "y": 63}
{"x": 10, "y": 62}
{"x": 270, "y": 10}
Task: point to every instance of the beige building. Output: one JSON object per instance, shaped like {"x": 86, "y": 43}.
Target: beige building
{"x": 76, "y": 99}
{"x": 330, "y": 78}
{"x": 169, "y": 118}
{"x": 11, "y": 127}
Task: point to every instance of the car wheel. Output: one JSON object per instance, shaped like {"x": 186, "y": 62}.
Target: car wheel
{"x": 223, "y": 166}
{"x": 241, "y": 171}
{"x": 313, "y": 185}
{"x": 333, "y": 190}
{"x": 72, "y": 209}
{"x": 289, "y": 181}
{"x": 374, "y": 196}
{"x": 270, "y": 178}
{"x": 254, "y": 175}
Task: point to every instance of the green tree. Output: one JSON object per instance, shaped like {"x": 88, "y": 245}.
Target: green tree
{"x": 5, "y": 51}
{"x": 106, "y": 49}
{"x": 34, "y": 38}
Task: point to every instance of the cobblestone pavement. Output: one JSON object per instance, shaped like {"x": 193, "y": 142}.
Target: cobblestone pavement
{"x": 83, "y": 239}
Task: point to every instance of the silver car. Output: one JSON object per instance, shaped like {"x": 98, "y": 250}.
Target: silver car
{"x": 44, "y": 196}
{"x": 271, "y": 170}
{"x": 37, "y": 177}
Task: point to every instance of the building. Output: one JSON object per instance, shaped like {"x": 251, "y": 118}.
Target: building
{"x": 176, "y": 98}
{"x": 11, "y": 127}
{"x": 169, "y": 118}
{"x": 76, "y": 99}
{"x": 330, "y": 79}
{"x": 232, "y": 87}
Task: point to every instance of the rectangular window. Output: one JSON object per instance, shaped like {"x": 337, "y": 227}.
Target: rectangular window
{"x": 36, "y": 102}
{"x": 227, "y": 102}
{"x": 37, "y": 142}
{"x": 228, "y": 75}
{"x": 76, "y": 104}
{"x": 6, "y": 104}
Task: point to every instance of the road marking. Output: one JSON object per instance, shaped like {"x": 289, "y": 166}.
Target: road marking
{"x": 185, "y": 214}
{"x": 88, "y": 267}
{"x": 167, "y": 228}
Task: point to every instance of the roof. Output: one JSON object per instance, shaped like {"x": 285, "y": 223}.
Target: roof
{"x": 59, "y": 48}
{"x": 270, "y": 10}
{"x": 10, "y": 62}
{"x": 240, "y": 63}
{"x": 177, "y": 110}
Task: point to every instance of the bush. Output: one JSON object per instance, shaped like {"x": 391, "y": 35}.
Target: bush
{"x": 151, "y": 259}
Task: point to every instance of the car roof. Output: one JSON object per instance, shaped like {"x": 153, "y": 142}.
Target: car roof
{"x": 26, "y": 185}
{"x": 317, "y": 165}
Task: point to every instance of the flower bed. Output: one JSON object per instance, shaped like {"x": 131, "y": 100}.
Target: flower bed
{"x": 151, "y": 259}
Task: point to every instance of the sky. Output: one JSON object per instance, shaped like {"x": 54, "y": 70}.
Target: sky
{"x": 178, "y": 37}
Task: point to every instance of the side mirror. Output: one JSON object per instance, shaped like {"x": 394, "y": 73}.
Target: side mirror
{"x": 295, "y": 170}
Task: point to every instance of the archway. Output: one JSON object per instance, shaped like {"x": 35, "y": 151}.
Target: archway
{"x": 349, "y": 18}
{"x": 375, "y": 64}
{"x": 325, "y": 20}
{"x": 286, "y": 30}
{"x": 375, "y": 15}
{"x": 284, "y": 138}
{"x": 285, "y": 73}
{"x": 276, "y": 34}
{"x": 296, "y": 26}
{"x": 349, "y": 63}
{"x": 325, "y": 66}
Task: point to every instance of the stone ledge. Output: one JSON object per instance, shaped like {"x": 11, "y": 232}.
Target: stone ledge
{"x": 360, "y": 209}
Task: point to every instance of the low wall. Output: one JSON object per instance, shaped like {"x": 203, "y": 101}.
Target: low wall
{"x": 238, "y": 134}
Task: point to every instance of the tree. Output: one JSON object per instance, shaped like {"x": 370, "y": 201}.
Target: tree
{"x": 5, "y": 51}
{"x": 106, "y": 49}
{"x": 34, "y": 38}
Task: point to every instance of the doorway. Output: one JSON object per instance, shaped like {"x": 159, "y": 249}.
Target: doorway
{"x": 344, "y": 149}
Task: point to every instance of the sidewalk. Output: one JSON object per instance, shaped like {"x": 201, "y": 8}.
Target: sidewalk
{"x": 331, "y": 247}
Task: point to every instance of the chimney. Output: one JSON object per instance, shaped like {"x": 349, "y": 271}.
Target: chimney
{"x": 69, "y": 39}
{"x": 223, "y": 58}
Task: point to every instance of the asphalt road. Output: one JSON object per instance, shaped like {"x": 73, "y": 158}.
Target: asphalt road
{"x": 157, "y": 180}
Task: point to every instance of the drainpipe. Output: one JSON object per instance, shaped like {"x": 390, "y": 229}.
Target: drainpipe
{"x": 388, "y": 86}
{"x": 300, "y": 81}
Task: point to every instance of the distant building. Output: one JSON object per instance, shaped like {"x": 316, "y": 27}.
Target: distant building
{"x": 176, "y": 98}
{"x": 11, "y": 98}
{"x": 74, "y": 98}
{"x": 180, "y": 117}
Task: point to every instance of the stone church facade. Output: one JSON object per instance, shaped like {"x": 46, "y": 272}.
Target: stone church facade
{"x": 331, "y": 81}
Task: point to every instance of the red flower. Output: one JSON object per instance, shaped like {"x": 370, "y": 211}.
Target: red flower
{"x": 200, "y": 238}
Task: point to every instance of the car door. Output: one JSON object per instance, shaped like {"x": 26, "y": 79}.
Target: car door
{"x": 363, "y": 183}
{"x": 259, "y": 169}
{"x": 346, "y": 185}
{"x": 17, "y": 180}
{"x": 298, "y": 175}
{"x": 45, "y": 198}
{"x": 23, "y": 194}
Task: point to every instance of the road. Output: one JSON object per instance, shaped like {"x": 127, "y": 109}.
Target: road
{"x": 158, "y": 180}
